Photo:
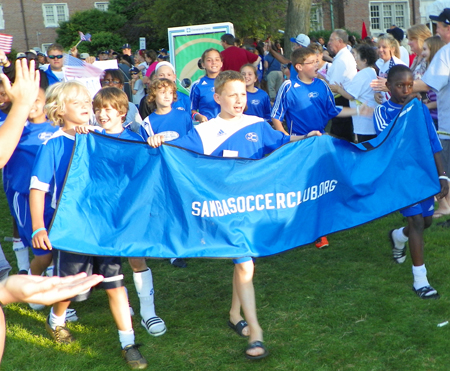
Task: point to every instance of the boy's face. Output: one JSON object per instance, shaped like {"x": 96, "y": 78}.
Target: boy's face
{"x": 232, "y": 100}
{"x": 165, "y": 72}
{"x": 308, "y": 69}
{"x": 401, "y": 87}
{"x": 77, "y": 112}
{"x": 5, "y": 102}
{"x": 109, "y": 118}
{"x": 37, "y": 110}
{"x": 164, "y": 97}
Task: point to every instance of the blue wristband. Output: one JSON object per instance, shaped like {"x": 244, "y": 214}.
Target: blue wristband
{"x": 37, "y": 231}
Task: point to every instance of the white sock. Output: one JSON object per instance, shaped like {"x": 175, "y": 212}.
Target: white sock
{"x": 172, "y": 260}
{"x": 21, "y": 251}
{"x": 4, "y": 265}
{"x": 126, "y": 338}
{"x": 54, "y": 320}
{"x": 420, "y": 276}
{"x": 143, "y": 282}
{"x": 399, "y": 235}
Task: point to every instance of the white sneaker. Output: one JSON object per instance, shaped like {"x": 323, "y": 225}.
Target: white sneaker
{"x": 36, "y": 306}
{"x": 71, "y": 315}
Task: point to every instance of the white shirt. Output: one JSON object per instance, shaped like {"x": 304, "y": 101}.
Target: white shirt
{"x": 343, "y": 69}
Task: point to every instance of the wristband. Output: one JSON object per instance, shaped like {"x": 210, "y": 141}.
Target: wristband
{"x": 444, "y": 177}
{"x": 193, "y": 115}
{"x": 37, "y": 231}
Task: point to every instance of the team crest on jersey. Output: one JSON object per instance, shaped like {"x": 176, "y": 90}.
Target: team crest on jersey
{"x": 170, "y": 135}
{"x": 212, "y": 89}
{"x": 44, "y": 136}
{"x": 313, "y": 94}
{"x": 255, "y": 101}
{"x": 251, "y": 137}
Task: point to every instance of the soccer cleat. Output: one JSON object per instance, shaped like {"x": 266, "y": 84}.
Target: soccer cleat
{"x": 134, "y": 357}
{"x": 155, "y": 326}
{"x": 398, "y": 248}
{"x": 322, "y": 242}
{"x": 71, "y": 315}
{"x": 60, "y": 334}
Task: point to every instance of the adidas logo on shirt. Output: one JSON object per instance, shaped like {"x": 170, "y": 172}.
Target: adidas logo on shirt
{"x": 204, "y": 83}
{"x": 296, "y": 85}
{"x": 220, "y": 133}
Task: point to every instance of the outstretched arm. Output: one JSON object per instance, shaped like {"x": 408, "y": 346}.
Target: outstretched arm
{"x": 22, "y": 95}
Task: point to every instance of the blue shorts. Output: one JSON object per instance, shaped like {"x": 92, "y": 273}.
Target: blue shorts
{"x": 20, "y": 210}
{"x": 242, "y": 260}
{"x": 67, "y": 263}
{"x": 426, "y": 208}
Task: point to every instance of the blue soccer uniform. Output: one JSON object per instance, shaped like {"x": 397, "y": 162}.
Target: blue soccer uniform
{"x": 258, "y": 104}
{"x": 183, "y": 103}
{"x": 173, "y": 125}
{"x": 305, "y": 107}
{"x": 202, "y": 98}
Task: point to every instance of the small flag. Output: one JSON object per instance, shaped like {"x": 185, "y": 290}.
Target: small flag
{"x": 84, "y": 37}
{"x": 76, "y": 68}
{"x": 363, "y": 31}
{"x": 6, "y": 42}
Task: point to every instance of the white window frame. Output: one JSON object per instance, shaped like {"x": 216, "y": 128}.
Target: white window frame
{"x": 316, "y": 21}
{"x": 2, "y": 18}
{"x": 388, "y": 13}
{"x": 52, "y": 20}
{"x": 102, "y": 5}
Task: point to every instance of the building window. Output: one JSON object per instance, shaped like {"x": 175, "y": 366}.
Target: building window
{"x": 316, "y": 22}
{"x": 2, "y": 20}
{"x": 55, "y": 13}
{"x": 385, "y": 14}
{"x": 103, "y": 6}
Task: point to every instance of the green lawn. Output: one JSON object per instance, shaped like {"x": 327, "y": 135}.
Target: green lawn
{"x": 349, "y": 307}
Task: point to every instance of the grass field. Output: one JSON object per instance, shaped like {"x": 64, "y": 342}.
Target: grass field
{"x": 349, "y": 307}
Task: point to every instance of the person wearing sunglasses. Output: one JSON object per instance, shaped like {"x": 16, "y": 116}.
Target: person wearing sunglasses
{"x": 55, "y": 57}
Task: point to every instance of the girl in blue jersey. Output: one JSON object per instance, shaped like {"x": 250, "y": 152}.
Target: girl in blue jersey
{"x": 69, "y": 105}
{"x": 258, "y": 101}
{"x": 203, "y": 105}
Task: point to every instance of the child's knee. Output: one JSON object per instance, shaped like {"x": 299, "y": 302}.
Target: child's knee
{"x": 428, "y": 221}
{"x": 416, "y": 223}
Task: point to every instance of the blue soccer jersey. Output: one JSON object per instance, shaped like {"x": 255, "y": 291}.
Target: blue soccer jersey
{"x": 386, "y": 113}
{"x": 202, "y": 98}
{"x": 258, "y": 104}
{"x": 173, "y": 125}
{"x": 305, "y": 107}
{"x": 127, "y": 134}
{"x": 249, "y": 137}
{"x": 17, "y": 172}
{"x": 183, "y": 103}
{"x": 51, "y": 164}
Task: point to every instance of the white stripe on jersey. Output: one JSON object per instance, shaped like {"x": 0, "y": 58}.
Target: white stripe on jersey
{"x": 148, "y": 126}
{"x": 60, "y": 133}
{"x": 380, "y": 122}
{"x": 215, "y": 132}
{"x": 285, "y": 87}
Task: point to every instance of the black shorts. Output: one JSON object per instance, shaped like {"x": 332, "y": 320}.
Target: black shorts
{"x": 67, "y": 263}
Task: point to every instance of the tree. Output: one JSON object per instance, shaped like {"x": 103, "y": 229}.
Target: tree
{"x": 96, "y": 23}
{"x": 297, "y": 21}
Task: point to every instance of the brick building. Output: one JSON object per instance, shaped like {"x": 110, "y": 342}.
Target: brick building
{"x": 32, "y": 23}
{"x": 378, "y": 15}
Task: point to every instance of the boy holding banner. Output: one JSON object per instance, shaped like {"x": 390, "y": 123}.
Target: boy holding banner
{"x": 233, "y": 134}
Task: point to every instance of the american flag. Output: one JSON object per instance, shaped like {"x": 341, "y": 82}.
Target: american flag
{"x": 75, "y": 67}
{"x": 84, "y": 37}
{"x": 6, "y": 42}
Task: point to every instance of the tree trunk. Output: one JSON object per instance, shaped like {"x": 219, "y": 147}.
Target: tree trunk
{"x": 297, "y": 21}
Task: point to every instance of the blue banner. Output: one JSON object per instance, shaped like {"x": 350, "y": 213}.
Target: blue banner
{"x": 127, "y": 199}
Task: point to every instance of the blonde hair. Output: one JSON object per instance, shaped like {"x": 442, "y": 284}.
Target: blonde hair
{"x": 58, "y": 95}
{"x": 391, "y": 42}
{"x": 224, "y": 77}
{"x": 418, "y": 32}
{"x": 434, "y": 44}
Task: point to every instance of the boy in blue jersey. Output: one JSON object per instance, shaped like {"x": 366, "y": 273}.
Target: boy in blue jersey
{"x": 16, "y": 181}
{"x": 165, "y": 119}
{"x": 69, "y": 105}
{"x": 233, "y": 134}
{"x": 400, "y": 83}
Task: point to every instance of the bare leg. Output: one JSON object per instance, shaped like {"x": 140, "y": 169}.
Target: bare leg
{"x": 118, "y": 302}
{"x": 59, "y": 309}
{"x": 40, "y": 263}
{"x": 235, "y": 311}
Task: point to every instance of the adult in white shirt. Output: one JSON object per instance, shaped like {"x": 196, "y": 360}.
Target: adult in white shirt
{"x": 341, "y": 72}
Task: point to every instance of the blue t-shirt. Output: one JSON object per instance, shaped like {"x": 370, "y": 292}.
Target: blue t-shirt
{"x": 202, "y": 98}
{"x": 258, "y": 104}
{"x": 17, "y": 172}
{"x": 386, "y": 113}
{"x": 249, "y": 137}
{"x": 305, "y": 107}
{"x": 173, "y": 125}
{"x": 51, "y": 164}
{"x": 183, "y": 102}
{"x": 273, "y": 64}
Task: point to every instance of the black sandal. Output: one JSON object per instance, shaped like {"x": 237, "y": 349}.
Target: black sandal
{"x": 238, "y": 327}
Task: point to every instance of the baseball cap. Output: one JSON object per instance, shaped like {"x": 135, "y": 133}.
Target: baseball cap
{"x": 397, "y": 33}
{"x": 20, "y": 55}
{"x": 134, "y": 70}
{"x": 126, "y": 46}
{"x": 31, "y": 51}
{"x": 443, "y": 17}
{"x": 301, "y": 39}
{"x": 160, "y": 64}
{"x": 84, "y": 55}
